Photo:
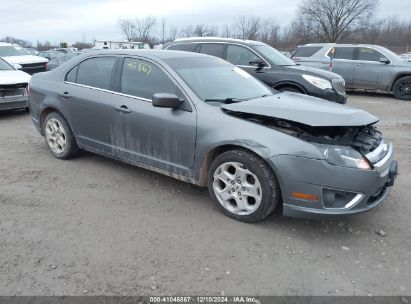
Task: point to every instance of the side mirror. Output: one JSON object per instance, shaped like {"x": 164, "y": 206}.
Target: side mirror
{"x": 17, "y": 66}
{"x": 385, "y": 60}
{"x": 166, "y": 100}
{"x": 258, "y": 63}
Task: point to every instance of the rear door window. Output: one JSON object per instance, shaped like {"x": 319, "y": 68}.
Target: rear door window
{"x": 239, "y": 55}
{"x": 213, "y": 49}
{"x": 342, "y": 53}
{"x": 96, "y": 72}
{"x": 306, "y": 51}
{"x": 142, "y": 79}
{"x": 369, "y": 54}
{"x": 188, "y": 47}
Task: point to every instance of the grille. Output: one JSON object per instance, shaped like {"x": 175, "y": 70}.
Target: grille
{"x": 339, "y": 85}
{"x": 33, "y": 68}
{"x": 12, "y": 90}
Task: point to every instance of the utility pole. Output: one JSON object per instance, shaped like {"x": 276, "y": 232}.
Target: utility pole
{"x": 163, "y": 25}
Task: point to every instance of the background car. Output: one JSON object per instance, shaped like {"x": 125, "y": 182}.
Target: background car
{"x": 205, "y": 121}
{"x": 13, "y": 87}
{"x": 61, "y": 59}
{"x": 268, "y": 65}
{"x": 406, "y": 56}
{"x": 363, "y": 66}
{"x": 53, "y": 57}
{"x": 15, "y": 54}
{"x": 32, "y": 51}
{"x": 64, "y": 50}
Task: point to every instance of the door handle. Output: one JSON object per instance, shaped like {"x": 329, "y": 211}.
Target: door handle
{"x": 360, "y": 64}
{"x": 65, "y": 95}
{"x": 122, "y": 109}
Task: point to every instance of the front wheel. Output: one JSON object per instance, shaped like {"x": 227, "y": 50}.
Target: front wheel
{"x": 402, "y": 88}
{"x": 243, "y": 186}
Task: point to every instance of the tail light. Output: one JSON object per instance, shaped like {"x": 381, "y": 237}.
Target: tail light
{"x": 27, "y": 90}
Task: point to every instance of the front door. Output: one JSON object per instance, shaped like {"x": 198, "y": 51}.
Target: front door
{"x": 241, "y": 57}
{"x": 158, "y": 137}
{"x": 370, "y": 73}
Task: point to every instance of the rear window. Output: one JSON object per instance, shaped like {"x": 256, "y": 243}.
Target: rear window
{"x": 306, "y": 51}
{"x": 342, "y": 53}
{"x": 96, "y": 72}
{"x": 188, "y": 47}
{"x": 213, "y": 49}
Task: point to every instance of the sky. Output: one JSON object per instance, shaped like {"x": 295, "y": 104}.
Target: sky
{"x": 86, "y": 20}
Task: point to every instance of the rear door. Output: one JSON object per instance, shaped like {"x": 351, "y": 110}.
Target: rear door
{"x": 90, "y": 104}
{"x": 342, "y": 63}
{"x": 157, "y": 137}
{"x": 370, "y": 73}
{"x": 213, "y": 49}
{"x": 241, "y": 56}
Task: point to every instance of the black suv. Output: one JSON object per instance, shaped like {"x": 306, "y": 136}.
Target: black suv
{"x": 269, "y": 65}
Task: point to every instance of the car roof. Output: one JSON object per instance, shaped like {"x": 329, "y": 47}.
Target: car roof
{"x": 342, "y": 44}
{"x": 217, "y": 39}
{"x": 149, "y": 53}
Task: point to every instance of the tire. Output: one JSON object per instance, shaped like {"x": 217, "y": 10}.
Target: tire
{"x": 255, "y": 186}
{"x": 290, "y": 89}
{"x": 56, "y": 132}
{"x": 402, "y": 88}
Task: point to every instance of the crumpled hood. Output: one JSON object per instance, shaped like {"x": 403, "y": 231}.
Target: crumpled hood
{"x": 304, "y": 109}
{"x": 315, "y": 72}
{"x": 23, "y": 59}
{"x": 13, "y": 77}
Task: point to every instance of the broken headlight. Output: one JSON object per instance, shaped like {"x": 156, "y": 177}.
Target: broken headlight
{"x": 318, "y": 82}
{"x": 343, "y": 156}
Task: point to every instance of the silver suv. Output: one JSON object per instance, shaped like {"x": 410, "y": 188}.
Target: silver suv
{"x": 363, "y": 66}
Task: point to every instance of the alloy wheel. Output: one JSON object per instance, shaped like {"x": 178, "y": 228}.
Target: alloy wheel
{"x": 237, "y": 189}
{"x": 56, "y": 136}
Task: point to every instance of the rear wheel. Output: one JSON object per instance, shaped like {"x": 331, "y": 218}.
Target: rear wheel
{"x": 59, "y": 137}
{"x": 402, "y": 88}
{"x": 243, "y": 186}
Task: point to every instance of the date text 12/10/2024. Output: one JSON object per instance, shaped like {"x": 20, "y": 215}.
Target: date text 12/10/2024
{"x": 203, "y": 299}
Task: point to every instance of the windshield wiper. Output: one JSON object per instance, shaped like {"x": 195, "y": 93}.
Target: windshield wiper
{"x": 224, "y": 100}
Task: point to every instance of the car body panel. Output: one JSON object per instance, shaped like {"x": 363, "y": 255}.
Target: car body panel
{"x": 181, "y": 143}
{"x": 25, "y": 59}
{"x": 306, "y": 110}
{"x": 13, "y": 77}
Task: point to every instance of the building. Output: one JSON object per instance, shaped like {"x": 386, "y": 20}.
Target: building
{"x": 114, "y": 45}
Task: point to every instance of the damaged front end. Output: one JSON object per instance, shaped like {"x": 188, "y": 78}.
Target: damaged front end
{"x": 350, "y": 146}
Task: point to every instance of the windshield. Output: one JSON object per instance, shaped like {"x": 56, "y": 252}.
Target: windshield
{"x": 12, "y": 50}
{"x": 4, "y": 65}
{"x": 212, "y": 78}
{"x": 273, "y": 55}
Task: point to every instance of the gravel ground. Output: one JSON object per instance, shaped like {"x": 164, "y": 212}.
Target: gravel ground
{"x": 98, "y": 227}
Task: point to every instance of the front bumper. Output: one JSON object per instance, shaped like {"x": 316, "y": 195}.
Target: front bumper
{"x": 313, "y": 177}
{"x": 330, "y": 94}
{"x": 13, "y": 102}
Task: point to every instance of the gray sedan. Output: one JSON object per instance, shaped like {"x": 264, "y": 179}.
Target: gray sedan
{"x": 202, "y": 120}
